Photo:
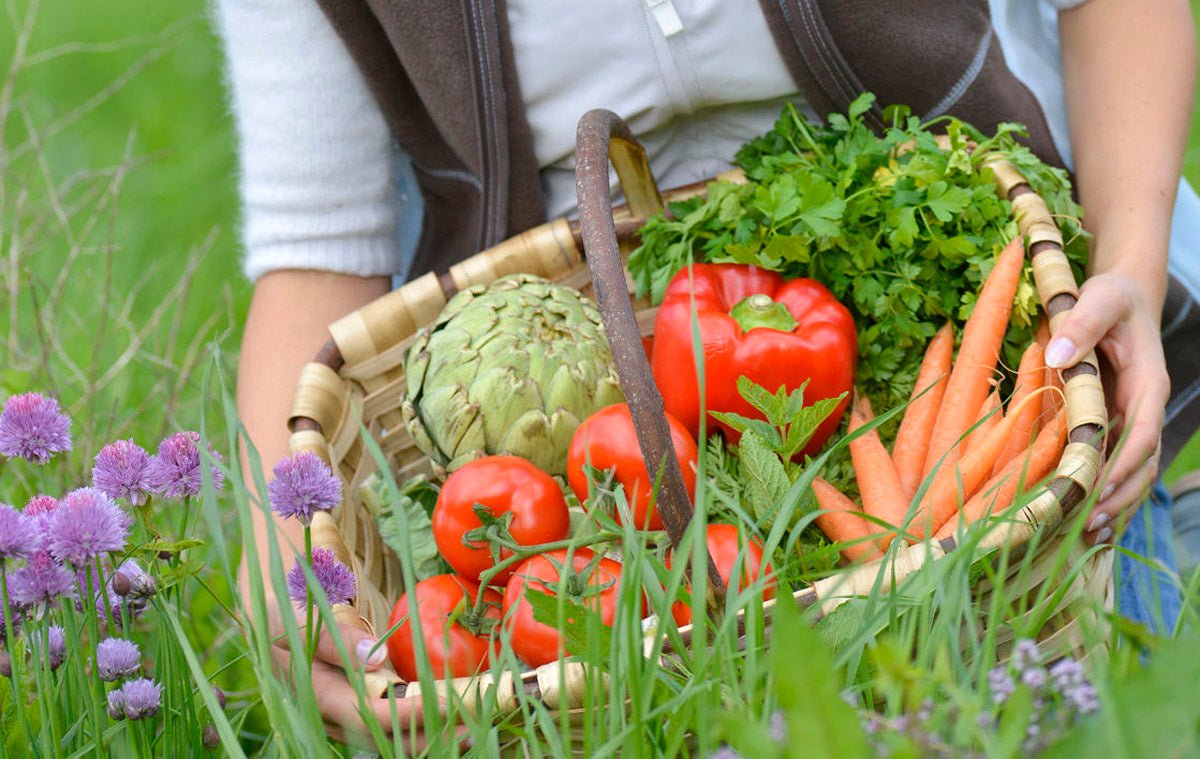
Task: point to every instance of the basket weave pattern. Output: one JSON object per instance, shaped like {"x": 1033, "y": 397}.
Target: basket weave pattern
{"x": 357, "y": 382}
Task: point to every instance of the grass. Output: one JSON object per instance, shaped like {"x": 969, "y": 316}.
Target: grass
{"x": 119, "y": 269}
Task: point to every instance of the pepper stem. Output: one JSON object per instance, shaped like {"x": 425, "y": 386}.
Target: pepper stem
{"x": 759, "y": 310}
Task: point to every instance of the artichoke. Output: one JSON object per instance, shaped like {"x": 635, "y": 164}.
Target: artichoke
{"x": 512, "y": 367}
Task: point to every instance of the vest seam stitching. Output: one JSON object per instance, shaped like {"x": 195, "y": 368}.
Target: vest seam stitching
{"x": 974, "y": 69}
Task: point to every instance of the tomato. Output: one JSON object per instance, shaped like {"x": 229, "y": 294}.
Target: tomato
{"x": 455, "y": 649}
{"x": 595, "y": 587}
{"x": 724, "y": 546}
{"x": 512, "y": 489}
{"x": 607, "y": 440}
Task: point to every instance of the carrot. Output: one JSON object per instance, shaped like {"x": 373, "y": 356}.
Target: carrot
{"x": 1042, "y": 332}
{"x": 999, "y": 492}
{"x": 1031, "y": 374}
{"x": 941, "y": 499}
{"x": 989, "y": 416}
{"x": 1052, "y": 402}
{"x": 843, "y": 522}
{"x": 982, "y": 337}
{"x": 912, "y": 440}
{"x": 882, "y": 495}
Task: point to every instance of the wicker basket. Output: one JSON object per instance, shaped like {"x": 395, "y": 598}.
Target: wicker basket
{"x": 357, "y": 380}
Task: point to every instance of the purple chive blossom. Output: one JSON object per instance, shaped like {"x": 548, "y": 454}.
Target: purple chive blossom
{"x": 87, "y": 524}
{"x": 116, "y": 658}
{"x": 19, "y": 537}
{"x": 303, "y": 485}
{"x": 1026, "y": 655}
{"x": 335, "y": 578}
{"x": 1001, "y": 684}
{"x": 41, "y": 581}
{"x": 56, "y": 648}
{"x": 174, "y": 472}
{"x": 121, "y": 471}
{"x": 131, "y": 581}
{"x": 1034, "y": 679}
{"x": 116, "y": 704}
{"x": 1071, "y": 682}
{"x": 38, "y": 512}
{"x": 142, "y": 698}
{"x": 32, "y": 427}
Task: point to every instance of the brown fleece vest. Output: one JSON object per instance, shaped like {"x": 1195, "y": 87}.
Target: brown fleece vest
{"x": 444, "y": 75}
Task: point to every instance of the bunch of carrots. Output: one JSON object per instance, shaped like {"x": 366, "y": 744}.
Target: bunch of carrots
{"x": 959, "y": 449}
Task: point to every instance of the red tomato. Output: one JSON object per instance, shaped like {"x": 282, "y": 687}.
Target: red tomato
{"x": 505, "y": 485}
{"x": 607, "y": 441}
{"x": 539, "y": 644}
{"x": 454, "y": 650}
{"x": 723, "y": 546}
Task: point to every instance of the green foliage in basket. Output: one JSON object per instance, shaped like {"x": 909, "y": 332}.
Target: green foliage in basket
{"x": 902, "y": 231}
{"x": 415, "y": 499}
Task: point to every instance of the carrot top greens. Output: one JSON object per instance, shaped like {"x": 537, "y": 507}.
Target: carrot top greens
{"x": 902, "y": 235}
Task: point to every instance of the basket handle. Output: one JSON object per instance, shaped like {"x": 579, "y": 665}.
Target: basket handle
{"x": 603, "y": 136}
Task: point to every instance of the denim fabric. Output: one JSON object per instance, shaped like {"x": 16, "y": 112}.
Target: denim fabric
{"x": 1145, "y": 594}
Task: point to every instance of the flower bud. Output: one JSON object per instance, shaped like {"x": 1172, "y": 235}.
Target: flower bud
{"x": 5, "y": 664}
{"x": 211, "y": 738}
{"x": 121, "y": 584}
{"x": 220, "y": 694}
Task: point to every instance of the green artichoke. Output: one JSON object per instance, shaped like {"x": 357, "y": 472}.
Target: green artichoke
{"x": 513, "y": 367}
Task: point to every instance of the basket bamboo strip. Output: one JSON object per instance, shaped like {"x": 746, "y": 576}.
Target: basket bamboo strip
{"x": 356, "y": 383}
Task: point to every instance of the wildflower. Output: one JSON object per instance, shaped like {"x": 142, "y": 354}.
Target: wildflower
{"x": 1070, "y": 681}
{"x": 41, "y": 581}
{"x": 1034, "y": 679}
{"x": 142, "y": 698}
{"x": 116, "y": 704}
{"x": 777, "y": 727}
{"x": 220, "y": 696}
{"x": 56, "y": 647}
{"x": 131, "y": 581}
{"x": 5, "y": 663}
{"x": 32, "y": 427}
{"x": 116, "y": 658}
{"x": 38, "y": 512}
{"x": 18, "y": 536}
{"x": 120, "y": 471}
{"x": 210, "y": 738}
{"x": 303, "y": 485}
{"x": 334, "y": 577}
{"x": 1026, "y": 655}
{"x": 174, "y": 472}
{"x": 86, "y": 525}
{"x": 1001, "y": 684}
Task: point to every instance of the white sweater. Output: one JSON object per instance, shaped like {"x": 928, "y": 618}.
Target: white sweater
{"x": 324, "y": 187}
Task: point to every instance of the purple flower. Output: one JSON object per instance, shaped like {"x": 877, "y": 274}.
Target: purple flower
{"x": 131, "y": 581}
{"x": 1034, "y": 679}
{"x": 303, "y": 485}
{"x": 87, "y": 524}
{"x": 335, "y": 578}
{"x": 41, "y": 581}
{"x": 1026, "y": 655}
{"x": 32, "y": 427}
{"x": 40, "y": 505}
{"x": 116, "y": 704}
{"x": 174, "y": 472}
{"x": 120, "y": 471}
{"x": 142, "y": 698}
{"x": 1070, "y": 681}
{"x": 19, "y": 537}
{"x": 116, "y": 658}
{"x": 103, "y": 598}
{"x": 56, "y": 647}
{"x": 1001, "y": 684}
{"x": 4, "y": 626}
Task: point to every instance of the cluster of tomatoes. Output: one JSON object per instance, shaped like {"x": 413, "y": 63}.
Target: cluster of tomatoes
{"x": 489, "y": 510}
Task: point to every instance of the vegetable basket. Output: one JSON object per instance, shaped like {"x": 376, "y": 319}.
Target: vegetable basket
{"x": 357, "y": 382}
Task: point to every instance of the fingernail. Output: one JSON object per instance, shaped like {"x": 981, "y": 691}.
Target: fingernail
{"x": 1108, "y": 490}
{"x": 1059, "y": 352}
{"x": 363, "y": 649}
{"x": 1104, "y": 535}
{"x": 1098, "y": 521}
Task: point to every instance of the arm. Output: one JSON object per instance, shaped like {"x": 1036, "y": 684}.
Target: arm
{"x": 1129, "y": 71}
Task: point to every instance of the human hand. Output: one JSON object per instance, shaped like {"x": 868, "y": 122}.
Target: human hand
{"x": 1115, "y": 316}
{"x": 336, "y": 698}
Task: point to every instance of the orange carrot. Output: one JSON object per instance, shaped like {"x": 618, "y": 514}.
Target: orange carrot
{"x": 989, "y": 416}
{"x": 942, "y": 498}
{"x": 843, "y": 522}
{"x": 1052, "y": 401}
{"x": 1031, "y": 374}
{"x": 882, "y": 495}
{"x": 999, "y": 492}
{"x": 982, "y": 337}
{"x": 912, "y": 440}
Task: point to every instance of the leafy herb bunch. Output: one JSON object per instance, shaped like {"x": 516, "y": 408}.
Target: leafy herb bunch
{"x": 901, "y": 230}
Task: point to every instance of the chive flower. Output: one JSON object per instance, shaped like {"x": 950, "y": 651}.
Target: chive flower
{"x": 87, "y": 524}
{"x": 116, "y": 704}
{"x": 334, "y": 577}
{"x": 142, "y": 698}
{"x": 41, "y": 582}
{"x": 117, "y": 658}
{"x": 120, "y": 471}
{"x": 33, "y": 427}
{"x": 174, "y": 471}
{"x": 19, "y": 537}
{"x": 56, "y": 648}
{"x": 303, "y": 485}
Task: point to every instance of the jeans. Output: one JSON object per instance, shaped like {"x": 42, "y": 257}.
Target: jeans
{"x": 1147, "y": 594}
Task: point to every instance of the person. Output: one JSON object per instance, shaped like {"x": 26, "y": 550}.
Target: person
{"x": 334, "y": 211}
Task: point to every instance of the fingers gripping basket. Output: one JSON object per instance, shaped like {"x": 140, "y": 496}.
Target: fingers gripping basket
{"x": 357, "y": 381}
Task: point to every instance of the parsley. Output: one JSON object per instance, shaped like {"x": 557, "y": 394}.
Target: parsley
{"x": 902, "y": 237}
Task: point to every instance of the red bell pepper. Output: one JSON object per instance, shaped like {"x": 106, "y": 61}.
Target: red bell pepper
{"x": 752, "y": 322}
